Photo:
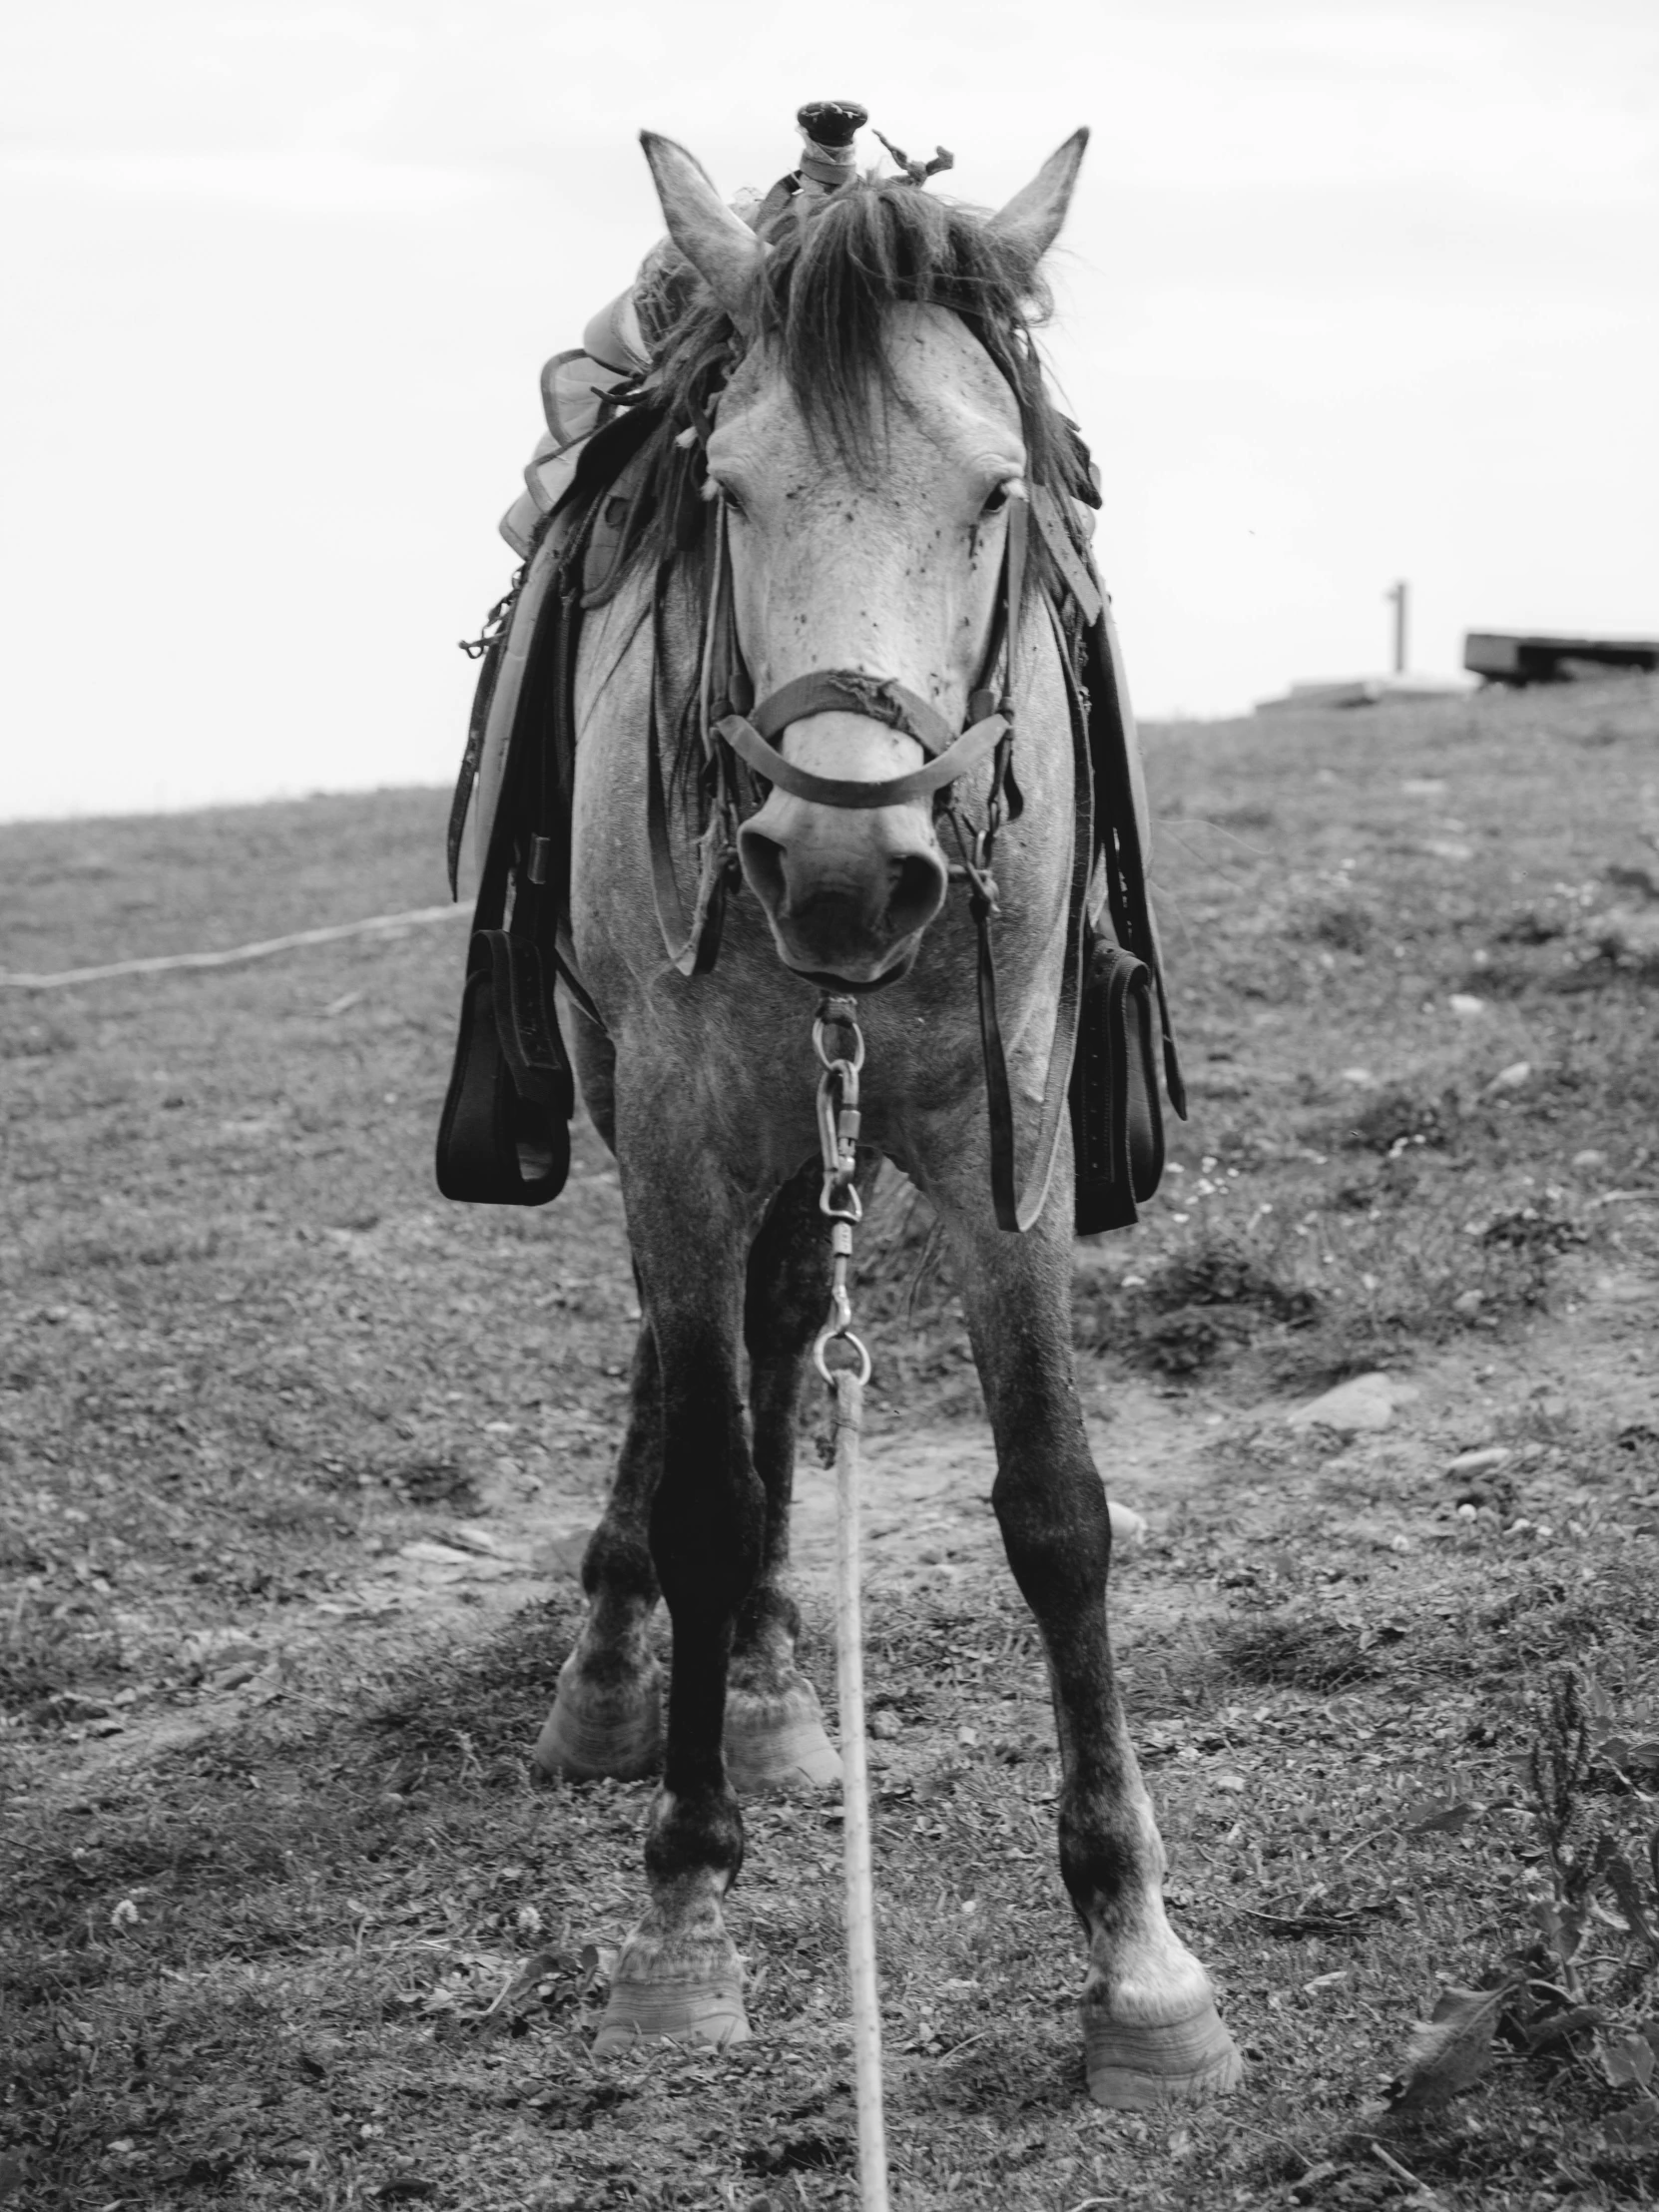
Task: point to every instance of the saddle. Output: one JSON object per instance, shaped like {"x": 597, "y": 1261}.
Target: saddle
{"x": 503, "y": 1137}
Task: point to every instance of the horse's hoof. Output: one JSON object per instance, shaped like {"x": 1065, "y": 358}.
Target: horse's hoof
{"x": 614, "y": 1731}
{"x": 708, "y": 2013}
{"x": 1136, "y": 2067}
{"x": 779, "y": 1741}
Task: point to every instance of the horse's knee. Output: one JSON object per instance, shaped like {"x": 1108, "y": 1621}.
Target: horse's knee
{"x": 1056, "y": 1529}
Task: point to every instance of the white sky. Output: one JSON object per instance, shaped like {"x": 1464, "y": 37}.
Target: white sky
{"x": 1351, "y": 292}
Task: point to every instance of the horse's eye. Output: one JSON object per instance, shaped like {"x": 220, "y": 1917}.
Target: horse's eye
{"x": 734, "y": 506}
{"x": 1001, "y": 495}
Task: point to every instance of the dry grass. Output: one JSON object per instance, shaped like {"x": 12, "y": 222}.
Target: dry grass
{"x": 339, "y": 1950}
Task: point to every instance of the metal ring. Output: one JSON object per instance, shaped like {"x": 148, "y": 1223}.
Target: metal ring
{"x": 841, "y": 1021}
{"x": 844, "y": 1336}
{"x": 854, "y": 1209}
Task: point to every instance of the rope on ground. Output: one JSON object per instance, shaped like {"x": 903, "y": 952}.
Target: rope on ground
{"x": 860, "y": 1887}
{"x": 377, "y": 925}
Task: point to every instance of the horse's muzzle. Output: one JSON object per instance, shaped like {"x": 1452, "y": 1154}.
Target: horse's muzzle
{"x": 848, "y": 893}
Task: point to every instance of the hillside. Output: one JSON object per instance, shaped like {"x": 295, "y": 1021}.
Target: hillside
{"x": 295, "y": 1463}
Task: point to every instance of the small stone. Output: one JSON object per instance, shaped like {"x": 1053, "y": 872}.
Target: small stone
{"x": 436, "y": 1555}
{"x": 1589, "y": 1159}
{"x": 1365, "y": 1403}
{"x": 1361, "y": 1078}
{"x": 1128, "y": 1527}
{"x": 1627, "y": 932}
{"x": 1479, "y": 1462}
{"x": 1519, "y": 1527}
{"x": 471, "y": 1538}
{"x": 1467, "y": 1511}
{"x": 1468, "y": 1302}
{"x": 562, "y": 1556}
{"x": 1512, "y": 1077}
{"x": 1466, "y": 1005}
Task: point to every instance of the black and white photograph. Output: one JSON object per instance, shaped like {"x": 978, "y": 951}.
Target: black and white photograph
{"x": 829, "y": 1107}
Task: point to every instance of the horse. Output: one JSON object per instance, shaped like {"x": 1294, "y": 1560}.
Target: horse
{"x": 864, "y": 456}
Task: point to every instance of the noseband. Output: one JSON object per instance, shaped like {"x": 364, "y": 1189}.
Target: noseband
{"x": 735, "y": 730}
{"x": 875, "y": 698}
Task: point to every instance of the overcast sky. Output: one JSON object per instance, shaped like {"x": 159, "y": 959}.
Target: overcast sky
{"x": 1351, "y": 292}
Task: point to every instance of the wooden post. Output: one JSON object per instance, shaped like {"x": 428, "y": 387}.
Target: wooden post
{"x": 1400, "y": 594}
{"x": 860, "y": 1894}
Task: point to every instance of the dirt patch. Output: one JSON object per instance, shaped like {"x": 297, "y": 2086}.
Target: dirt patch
{"x": 295, "y": 1466}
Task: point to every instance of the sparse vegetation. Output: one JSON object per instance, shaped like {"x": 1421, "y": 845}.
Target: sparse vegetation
{"x": 287, "y": 1922}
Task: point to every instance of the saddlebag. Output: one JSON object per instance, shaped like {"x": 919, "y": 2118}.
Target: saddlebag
{"x": 504, "y": 1136}
{"x": 1117, "y": 1127}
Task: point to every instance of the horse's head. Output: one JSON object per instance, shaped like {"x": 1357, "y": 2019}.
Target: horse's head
{"x": 866, "y": 449}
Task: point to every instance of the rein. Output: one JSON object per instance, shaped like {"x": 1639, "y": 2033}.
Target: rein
{"x": 733, "y": 728}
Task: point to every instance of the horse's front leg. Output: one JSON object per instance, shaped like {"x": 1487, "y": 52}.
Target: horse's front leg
{"x": 606, "y": 1716}
{"x": 678, "y": 1973}
{"x": 774, "y": 1733}
{"x": 1151, "y": 2029}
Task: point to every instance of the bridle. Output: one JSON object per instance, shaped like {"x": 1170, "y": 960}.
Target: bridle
{"x": 737, "y": 744}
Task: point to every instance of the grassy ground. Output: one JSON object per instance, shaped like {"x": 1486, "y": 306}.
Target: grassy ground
{"x": 288, "y": 1921}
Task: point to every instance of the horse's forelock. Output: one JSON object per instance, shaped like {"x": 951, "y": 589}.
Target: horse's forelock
{"x": 835, "y": 272}
{"x": 833, "y": 278}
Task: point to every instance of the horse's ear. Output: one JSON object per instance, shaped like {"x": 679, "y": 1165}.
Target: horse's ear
{"x": 1031, "y": 221}
{"x": 722, "y": 249}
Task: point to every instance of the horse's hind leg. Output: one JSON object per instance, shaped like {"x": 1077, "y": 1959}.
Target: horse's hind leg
{"x": 1151, "y": 2029}
{"x": 606, "y": 1716}
{"x": 774, "y": 1733}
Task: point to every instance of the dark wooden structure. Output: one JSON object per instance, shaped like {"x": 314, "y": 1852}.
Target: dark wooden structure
{"x": 1524, "y": 657}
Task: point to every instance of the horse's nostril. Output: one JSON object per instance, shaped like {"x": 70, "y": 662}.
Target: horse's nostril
{"x": 917, "y": 893}
{"x": 763, "y": 867}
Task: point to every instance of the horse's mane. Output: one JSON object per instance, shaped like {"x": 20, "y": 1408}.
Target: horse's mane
{"x": 838, "y": 266}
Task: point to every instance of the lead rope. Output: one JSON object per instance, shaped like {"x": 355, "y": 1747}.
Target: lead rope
{"x": 838, "y": 1123}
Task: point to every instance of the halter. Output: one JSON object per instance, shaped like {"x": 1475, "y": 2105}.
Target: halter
{"x": 875, "y": 697}
{"x": 734, "y": 730}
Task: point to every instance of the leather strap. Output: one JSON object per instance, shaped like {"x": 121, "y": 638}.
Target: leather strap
{"x": 1111, "y": 740}
{"x": 970, "y": 751}
{"x": 1074, "y": 571}
{"x": 1016, "y": 1209}
{"x": 692, "y": 947}
{"x": 851, "y": 690}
